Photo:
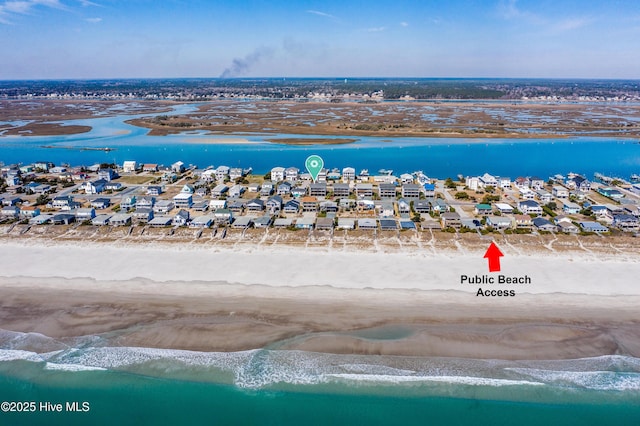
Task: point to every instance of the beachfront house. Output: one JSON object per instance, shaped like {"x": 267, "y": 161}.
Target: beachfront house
{"x": 120, "y": 219}
{"x": 542, "y": 224}
{"x": 150, "y": 167}
{"x": 367, "y": 224}
{"x": 242, "y": 222}
{"x": 84, "y": 214}
{"x": 346, "y": 223}
{"x": 262, "y": 221}
{"x": 181, "y": 218}
{"x": 10, "y": 212}
{"x": 523, "y": 221}
{"x": 29, "y": 211}
{"x": 160, "y": 221}
{"x": 565, "y": 224}
{"x": 142, "y": 214}
{"x": 329, "y": 206}
{"x": 223, "y": 216}
{"x": 101, "y": 220}
{"x": 63, "y": 219}
{"x": 204, "y": 221}
{"x": 626, "y": 222}
{"x": 499, "y": 222}
{"x": 589, "y": 226}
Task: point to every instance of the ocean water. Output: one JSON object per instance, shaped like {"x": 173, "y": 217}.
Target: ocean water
{"x": 134, "y": 386}
{"x": 438, "y": 157}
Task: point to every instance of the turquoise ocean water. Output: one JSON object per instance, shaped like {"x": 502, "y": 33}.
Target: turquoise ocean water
{"x": 134, "y": 386}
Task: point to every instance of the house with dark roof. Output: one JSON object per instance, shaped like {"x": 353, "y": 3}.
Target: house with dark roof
{"x": 543, "y": 224}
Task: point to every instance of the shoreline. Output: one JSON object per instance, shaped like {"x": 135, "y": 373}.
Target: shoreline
{"x": 287, "y": 298}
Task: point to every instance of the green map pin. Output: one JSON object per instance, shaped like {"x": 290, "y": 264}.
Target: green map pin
{"x": 314, "y": 165}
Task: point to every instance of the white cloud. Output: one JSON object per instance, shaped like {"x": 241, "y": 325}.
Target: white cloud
{"x": 376, "y": 29}
{"x": 571, "y": 24}
{"x": 93, "y": 20}
{"x": 24, "y": 7}
{"x": 404, "y": 24}
{"x": 323, "y": 14}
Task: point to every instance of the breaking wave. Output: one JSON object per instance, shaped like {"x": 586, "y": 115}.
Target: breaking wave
{"x": 273, "y": 369}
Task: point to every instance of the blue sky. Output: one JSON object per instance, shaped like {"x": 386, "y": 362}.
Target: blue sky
{"x": 400, "y": 38}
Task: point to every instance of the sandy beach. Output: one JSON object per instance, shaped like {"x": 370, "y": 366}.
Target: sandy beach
{"x": 412, "y": 303}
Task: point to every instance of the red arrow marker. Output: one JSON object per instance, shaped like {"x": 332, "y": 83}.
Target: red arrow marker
{"x": 493, "y": 254}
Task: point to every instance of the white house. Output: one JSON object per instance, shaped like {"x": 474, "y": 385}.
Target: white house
{"x": 277, "y": 174}
{"x": 129, "y": 166}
